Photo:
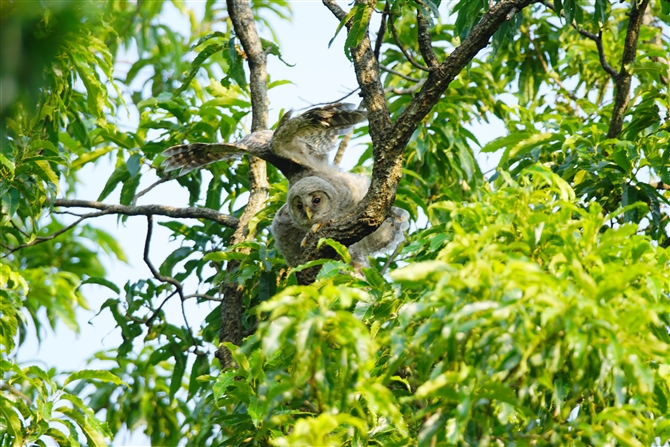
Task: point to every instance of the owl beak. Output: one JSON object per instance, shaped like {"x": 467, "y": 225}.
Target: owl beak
{"x": 308, "y": 213}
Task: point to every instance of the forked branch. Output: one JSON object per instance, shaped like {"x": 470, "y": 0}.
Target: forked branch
{"x": 390, "y": 139}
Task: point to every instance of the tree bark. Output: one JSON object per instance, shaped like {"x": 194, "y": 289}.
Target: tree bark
{"x": 232, "y": 307}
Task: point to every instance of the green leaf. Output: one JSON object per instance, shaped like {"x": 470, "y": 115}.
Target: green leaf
{"x": 119, "y": 175}
{"x": 340, "y": 249}
{"x": 359, "y": 26}
{"x": 101, "y": 281}
{"x": 92, "y": 374}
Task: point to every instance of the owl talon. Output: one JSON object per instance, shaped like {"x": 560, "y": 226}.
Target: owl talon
{"x": 312, "y": 230}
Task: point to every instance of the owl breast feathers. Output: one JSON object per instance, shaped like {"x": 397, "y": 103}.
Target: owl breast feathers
{"x": 304, "y": 139}
{"x": 327, "y": 196}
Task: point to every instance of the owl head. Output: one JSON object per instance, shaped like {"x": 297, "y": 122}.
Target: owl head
{"x": 311, "y": 201}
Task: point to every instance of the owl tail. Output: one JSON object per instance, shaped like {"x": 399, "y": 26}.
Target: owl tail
{"x": 189, "y": 157}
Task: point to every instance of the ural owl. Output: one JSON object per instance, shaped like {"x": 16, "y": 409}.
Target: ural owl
{"x": 305, "y": 139}
{"x": 325, "y": 196}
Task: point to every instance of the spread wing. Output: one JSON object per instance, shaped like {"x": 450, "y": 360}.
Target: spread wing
{"x": 319, "y": 127}
{"x": 189, "y": 157}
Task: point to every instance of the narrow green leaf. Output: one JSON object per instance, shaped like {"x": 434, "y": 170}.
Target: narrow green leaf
{"x": 96, "y": 374}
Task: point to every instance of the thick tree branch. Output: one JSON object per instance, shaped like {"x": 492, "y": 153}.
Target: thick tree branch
{"x": 390, "y": 139}
{"x": 623, "y": 81}
{"x": 232, "y": 306}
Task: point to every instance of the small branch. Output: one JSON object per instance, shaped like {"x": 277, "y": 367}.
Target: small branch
{"x": 408, "y": 56}
{"x": 342, "y": 148}
{"x": 382, "y": 30}
{"x": 42, "y": 239}
{"x": 407, "y": 91}
{"x": 143, "y": 192}
{"x": 151, "y": 210}
{"x": 332, "y": 102}
{"x": 17, "y": 393}
{"x": 168, "y": 279}
{"x": 552, "y": 74}
{"x": 425, "y": 42}
{"x": 397, "y": 73}
{"x": 598, "y": 39}
{"x": 202, "y": 296}
{"x": 153, "y": 316}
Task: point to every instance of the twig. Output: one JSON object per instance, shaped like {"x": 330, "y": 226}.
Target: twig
{"x": 17, "y": 228}
{"x": 598, "y": 39}
{"x": 143, "y": 192}
{"x": 152, "y": 210}
{"x": 42, "y": 239}
{"x": 17, "y": 393}
{"x": 425, "y": 43}
{"x": 202, "y": 296}
{"x": 552, "y": 74}
{"x": 333, "y": 102}
{"x": 397, "y": 73}
{"x": 406, "y": 91}
{"x": 408, "y": 56}
{"x": 342, "y": 148}
{"x": 153, "y": 316}
{"x": 382, "y": 30}
{"x": 168, "y": 279}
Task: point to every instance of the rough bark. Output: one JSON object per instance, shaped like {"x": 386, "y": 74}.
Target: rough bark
{"x": 623, "y": 80}
{"x": 232, "y": 305}
{"x": 390, "y": 139}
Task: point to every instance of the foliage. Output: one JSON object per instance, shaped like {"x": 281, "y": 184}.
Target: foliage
{"x": 529, "y": 307}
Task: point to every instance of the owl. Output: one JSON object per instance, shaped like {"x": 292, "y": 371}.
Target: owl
{"x": 305, "y": 139}
{"x": 325, "y": 196}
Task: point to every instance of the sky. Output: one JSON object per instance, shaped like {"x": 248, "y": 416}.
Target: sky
{"x": 320, "y": 74}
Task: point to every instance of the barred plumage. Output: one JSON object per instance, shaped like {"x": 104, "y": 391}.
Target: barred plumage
{"x": 305, "y": 139}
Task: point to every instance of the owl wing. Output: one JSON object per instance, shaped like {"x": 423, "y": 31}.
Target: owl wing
{"x": 192, "y": 156}
{"x": 318, "y": 128}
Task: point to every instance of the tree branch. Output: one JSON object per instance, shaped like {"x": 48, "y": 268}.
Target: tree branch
{"x": 397, "y": 73}
{"x": 390, "y": 139}
{"x": 598, "y": 39}
{"x": 151, "y": 210}
{"x": 382, "y": 30}
{"x": 623, "y": 81}
{"x": 551, "y": 73}
{"x": 404, "y": 51}
{"x": 425, "y": 43}
{"x": 232, "y": 307}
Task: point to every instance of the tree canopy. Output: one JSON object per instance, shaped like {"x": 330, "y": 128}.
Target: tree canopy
{"x": 529, "y": 305}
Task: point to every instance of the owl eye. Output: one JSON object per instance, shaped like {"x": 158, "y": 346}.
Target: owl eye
{"x": 316, "y": 200}
{"x": 299, "y": 206}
